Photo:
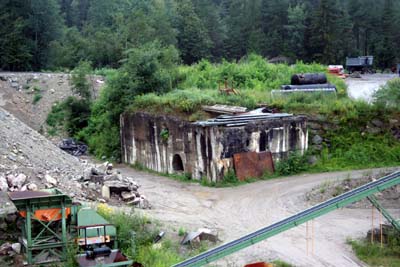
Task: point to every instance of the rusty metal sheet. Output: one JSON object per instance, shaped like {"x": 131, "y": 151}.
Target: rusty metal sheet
{"x": 252, "y": 164}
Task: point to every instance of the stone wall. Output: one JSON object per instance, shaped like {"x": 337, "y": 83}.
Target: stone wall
{"x": 171, "y": 145}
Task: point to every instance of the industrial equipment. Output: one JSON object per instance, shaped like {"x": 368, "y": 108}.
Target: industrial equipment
{"x": 51, "y": 222}
{"x": 362, "y": 64}
{"x": 330, "y": 205}
{"x": 306, "y": 83}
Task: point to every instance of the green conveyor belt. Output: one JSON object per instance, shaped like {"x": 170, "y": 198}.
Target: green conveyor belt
{"x": 293, "y": 221}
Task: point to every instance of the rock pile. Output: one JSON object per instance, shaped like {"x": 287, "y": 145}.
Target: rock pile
{"x": 28, "y": 161}
{"x": 18, "y": 90}
{"x": 10, "y": 249}
{"x": 111, "y": 185}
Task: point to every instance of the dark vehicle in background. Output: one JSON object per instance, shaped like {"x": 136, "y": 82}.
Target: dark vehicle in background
{"x": 361, "y": 64}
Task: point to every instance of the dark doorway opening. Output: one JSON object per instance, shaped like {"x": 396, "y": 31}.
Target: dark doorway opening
{"x": 263, "y": 141}
{"x": 177, "y": 163}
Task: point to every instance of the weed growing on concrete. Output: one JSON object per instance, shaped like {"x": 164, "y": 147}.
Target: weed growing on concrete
{"x": 36, "y": 98}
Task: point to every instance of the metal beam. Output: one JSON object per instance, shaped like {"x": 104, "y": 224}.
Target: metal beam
{"x": 293, "y": 221}
{"x": 384, "y": 212}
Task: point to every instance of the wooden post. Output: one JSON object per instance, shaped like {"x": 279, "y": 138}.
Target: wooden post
{"x": 312, "y": 237}
{"x": 381, "y": 228}
{"x": 307, "y": 237}
{"x": 372, "y": 225}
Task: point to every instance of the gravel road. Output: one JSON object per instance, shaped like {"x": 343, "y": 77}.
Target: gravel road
{"x": 239, "y": 210}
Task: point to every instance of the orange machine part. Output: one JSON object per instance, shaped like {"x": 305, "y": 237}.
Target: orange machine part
{"x": 47, "y": 215}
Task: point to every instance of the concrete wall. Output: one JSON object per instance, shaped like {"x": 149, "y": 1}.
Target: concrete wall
{"x": 204, "y": 151}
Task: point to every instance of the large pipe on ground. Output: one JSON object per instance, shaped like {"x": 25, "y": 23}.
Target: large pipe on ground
{"x": 309, "y": 78}
{"x": 308, "y": 86}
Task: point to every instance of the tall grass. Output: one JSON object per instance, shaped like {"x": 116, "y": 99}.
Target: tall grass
{"x": 253, "y": 76}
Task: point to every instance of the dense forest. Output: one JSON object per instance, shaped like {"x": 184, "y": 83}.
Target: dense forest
{"x": 58, "y": 34}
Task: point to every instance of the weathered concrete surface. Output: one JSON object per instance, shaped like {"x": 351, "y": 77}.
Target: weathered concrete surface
{"x": 171, "y": 145}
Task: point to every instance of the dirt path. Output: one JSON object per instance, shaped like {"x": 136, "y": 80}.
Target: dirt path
{"x": 240, "y": 210}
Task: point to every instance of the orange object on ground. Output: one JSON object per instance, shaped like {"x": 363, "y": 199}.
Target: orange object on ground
{"x": 337, "y": 70}
{"x": 47, "y": 215}
{"x": 259, "y": 264}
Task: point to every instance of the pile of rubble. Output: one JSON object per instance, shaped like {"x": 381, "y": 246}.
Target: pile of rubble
{"x": 28, "y": 161}
{"x": 113, "y": 186}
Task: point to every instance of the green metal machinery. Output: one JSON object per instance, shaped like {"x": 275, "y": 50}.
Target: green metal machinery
{"x": 44, "y": 231}
{"x": 51, "y": 222}
{"x": 340, "y": 201}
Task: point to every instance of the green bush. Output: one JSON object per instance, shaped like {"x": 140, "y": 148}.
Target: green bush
{"x": 295, "y": 163}
{"x": 80, "y": 83}
{"x": 389, "y": 95}
{"x": 36, "y": 98}
{"x": 151, "y": 68}
{"x": 71, "y": 115}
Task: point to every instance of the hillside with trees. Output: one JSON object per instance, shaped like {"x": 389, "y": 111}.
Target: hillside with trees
{"x": 58, "y": 34}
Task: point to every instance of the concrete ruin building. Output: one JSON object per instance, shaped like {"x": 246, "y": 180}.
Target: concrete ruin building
{"x": 208, "y": 149}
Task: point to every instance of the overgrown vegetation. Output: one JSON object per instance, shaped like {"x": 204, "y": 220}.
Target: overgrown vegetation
{"x": 135, "y": 235}
{"x": 375, "y": 255}
{"x": 145, "y": 83}
{"x": 295, "y": 163}
{"x": 151, "y": 68}
{"x": 389, "y": 95}
{"x": 72, "y": 114}
{"x": 253, "y": 76}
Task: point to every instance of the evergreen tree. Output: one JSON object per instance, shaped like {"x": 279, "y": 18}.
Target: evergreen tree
{"x": 235, "y": 45}
{"x": 210, "y": 15}
{"x": 296, "y": 28}
{"x": 387, "y": 51}
{"x": 15, "y": 51}
{"x": 193, "y": 40}
{"x": 67, "y": 12}
{"x": 331, "y": 37}
{"x": 274, "y": 21}
{"x": 253, "y": 28}
{"x": 44, "y": 26}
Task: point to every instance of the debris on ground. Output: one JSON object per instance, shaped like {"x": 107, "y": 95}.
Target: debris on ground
{"x": 355, "y": 74}
{"x": 199, "y": 235}
{"x": 159, "y": 237}
{"x": 111, "y": 185}
{"x": 73, "y": 147}
{"x": 30, "y": 162}
{"x": 10, "y": 249}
